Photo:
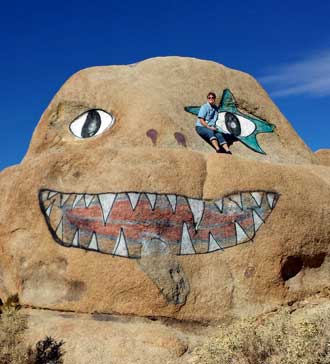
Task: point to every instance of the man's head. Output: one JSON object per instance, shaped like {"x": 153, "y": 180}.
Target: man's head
{"x": 211, "y": 96}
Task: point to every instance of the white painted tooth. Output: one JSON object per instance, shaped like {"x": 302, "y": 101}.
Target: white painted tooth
{"x": 197, "y": 209}
{"x": 64, "y": 199}
{"x": 152, "y": 199}
{"x": 213, "y": 245}
{"x": 49, "y": 209}
{"x": 271, "y": 199}
{"x": 52, "y": 194}
{"x": 241, "y": 236}
{"x": 93, "y": 245}
{"x": 219, "y": 204}
{"x": 76, "y": 239}
{"x": 257, "y": 220}
{"x": 257, "y": 196}
{"x": 106, "y": 201}
{"x": 46, "y": 204}
{"x": 44, "y": 195}
{"x": 76, "y": 200}
{"x": 88, "y": 199}
{"x": 237, "y": 199}
{"x": 133, "y": 198}
{"x": 59, "y": 230}
{"x": 186, "y": 244}
{"x": 172, "y": 200}
{"x": 121, "y": 245}
{"x": 56, "y": 219}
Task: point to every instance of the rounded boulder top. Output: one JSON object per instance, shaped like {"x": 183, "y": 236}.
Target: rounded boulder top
{"x": 152, "y": 103}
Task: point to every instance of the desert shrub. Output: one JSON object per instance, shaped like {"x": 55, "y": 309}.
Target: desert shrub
{"x": 13, "y": 349}
{"x": 275, "y": 339}
{"x": 47, "y": 351}
{"x": 12, "y": 327}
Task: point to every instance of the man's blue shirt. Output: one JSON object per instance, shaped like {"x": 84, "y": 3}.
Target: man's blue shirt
{"x": 209, "y": 113}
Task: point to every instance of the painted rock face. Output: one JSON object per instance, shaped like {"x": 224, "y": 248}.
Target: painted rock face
{"x": 120, "y": 207}
{"x": 124, "y": 224}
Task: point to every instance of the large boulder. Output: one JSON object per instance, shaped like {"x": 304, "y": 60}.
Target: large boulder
{"x": 120, "y": 207}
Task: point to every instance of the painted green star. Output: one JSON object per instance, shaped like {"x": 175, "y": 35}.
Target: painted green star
{"x": 230, "y": 121}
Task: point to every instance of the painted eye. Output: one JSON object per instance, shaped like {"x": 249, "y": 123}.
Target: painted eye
{"x": 235, "y": 124}
{"x": 232, "y": 124}
{"x": 91, "y": 123}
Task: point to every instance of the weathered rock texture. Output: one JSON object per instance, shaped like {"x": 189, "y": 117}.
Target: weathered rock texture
{"x": 109, "y": 339}
{"x": 323, "y": 156}
{"x": 62, "y": 248}
{"x": 101, "y": 338}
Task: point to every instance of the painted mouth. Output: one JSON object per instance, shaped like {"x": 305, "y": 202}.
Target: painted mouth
{"x": 131, "y": 224}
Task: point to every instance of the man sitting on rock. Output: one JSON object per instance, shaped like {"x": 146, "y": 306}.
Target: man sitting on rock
{"x": 205, "y": 125}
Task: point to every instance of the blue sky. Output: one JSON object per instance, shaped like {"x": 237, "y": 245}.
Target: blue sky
{"x": 285, "y": 45}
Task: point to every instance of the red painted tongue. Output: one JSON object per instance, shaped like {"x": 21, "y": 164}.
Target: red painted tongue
{"x": 122, "y": 211}
{"x": 144, "y": 222}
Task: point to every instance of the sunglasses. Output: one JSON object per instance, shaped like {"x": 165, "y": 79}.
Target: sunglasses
{"x": 211, "y": 97}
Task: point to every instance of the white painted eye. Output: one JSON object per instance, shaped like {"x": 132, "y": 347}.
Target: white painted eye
{"x": 235, "y": 124}
{"x": 91, "y": 123}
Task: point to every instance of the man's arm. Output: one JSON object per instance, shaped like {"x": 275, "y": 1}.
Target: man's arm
{"x": 204, "y": 123}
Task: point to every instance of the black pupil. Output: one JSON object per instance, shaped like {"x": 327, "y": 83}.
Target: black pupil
{"x": 232, "y": 123}
{"x": 91, "y": 125}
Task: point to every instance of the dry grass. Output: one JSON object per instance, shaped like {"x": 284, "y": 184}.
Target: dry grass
{"x": 282, "y": 338}
{"x": 12, "y": 327}
{"x": 13, "y": 349}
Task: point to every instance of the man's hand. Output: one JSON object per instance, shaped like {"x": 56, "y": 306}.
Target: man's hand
{"x": 205, "y": 124}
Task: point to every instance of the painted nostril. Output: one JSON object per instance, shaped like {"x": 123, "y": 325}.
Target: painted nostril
{"x": 152, "y": 134}
{"x": 181, "y": 139}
